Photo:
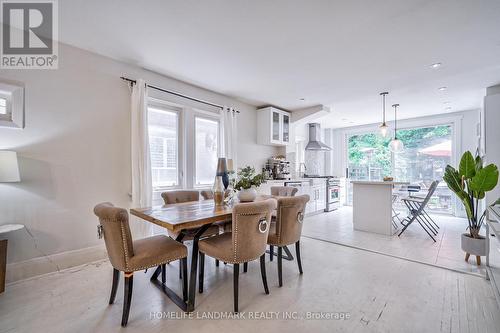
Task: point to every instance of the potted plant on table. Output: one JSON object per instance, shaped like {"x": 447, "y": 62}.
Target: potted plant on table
{"x": 470, "y": 183}
{"x": 246, "y": 182}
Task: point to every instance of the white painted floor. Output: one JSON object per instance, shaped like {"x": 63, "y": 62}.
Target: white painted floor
{"x": 414, "y": 243}
{"x": 379, "y": 293}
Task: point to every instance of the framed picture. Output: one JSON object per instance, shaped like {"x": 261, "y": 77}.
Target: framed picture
{"x": 11, "y": 104}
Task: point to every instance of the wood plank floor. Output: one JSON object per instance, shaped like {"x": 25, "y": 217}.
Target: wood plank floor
{"x": 379, "y": 293}
{"x": 413, "y": 244}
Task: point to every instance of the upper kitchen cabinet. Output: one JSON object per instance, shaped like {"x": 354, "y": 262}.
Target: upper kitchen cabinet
{"x": 273, "y": 127}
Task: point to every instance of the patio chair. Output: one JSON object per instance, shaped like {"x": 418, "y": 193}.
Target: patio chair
{"x": 416, "y": 207}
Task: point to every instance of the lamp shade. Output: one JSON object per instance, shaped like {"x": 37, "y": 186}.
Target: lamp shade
{"x": 9, "y": 168}
{"x": 396, "y": 146}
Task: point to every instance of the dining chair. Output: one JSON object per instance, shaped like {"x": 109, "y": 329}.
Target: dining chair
{"x": 416, "y": 208}
{"x": 181, "y": 196}
{"x": 207, "y": 194}
{"x": 288, "y": 228}
{"x": 128, "y": 255}
{"x": 283, "y": 191}
{"x": 246, "y": 242}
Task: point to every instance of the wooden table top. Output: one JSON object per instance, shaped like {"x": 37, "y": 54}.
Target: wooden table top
{"x": 187, "y": 215}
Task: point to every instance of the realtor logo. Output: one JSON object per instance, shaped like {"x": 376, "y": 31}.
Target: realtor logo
{"x": 29, "y": 34}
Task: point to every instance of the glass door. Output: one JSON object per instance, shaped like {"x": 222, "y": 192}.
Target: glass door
{"x": 369, "y": 158}
{"x": 286, "y": 128}
{"x": 276, "y": 126}
{"x": 427, "y": 152}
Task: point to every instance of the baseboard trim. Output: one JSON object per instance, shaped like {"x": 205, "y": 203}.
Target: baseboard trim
{"x": 53, "y": 263}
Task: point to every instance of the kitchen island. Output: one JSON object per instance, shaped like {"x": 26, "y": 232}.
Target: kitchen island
{"x": 372, "y": 206}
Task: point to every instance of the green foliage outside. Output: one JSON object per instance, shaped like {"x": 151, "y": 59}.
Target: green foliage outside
{"x": 374, "y": 149}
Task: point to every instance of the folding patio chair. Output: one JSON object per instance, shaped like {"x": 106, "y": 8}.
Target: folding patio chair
{"x": 416, "y": 207}
{"x": 395, "y": 215}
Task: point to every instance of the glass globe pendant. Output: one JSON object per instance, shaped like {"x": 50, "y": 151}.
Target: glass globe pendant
{"x": 396, "y": 145}
{"x": 384, "y": 129}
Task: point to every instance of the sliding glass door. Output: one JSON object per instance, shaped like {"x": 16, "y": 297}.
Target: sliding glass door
{"x": 427, "y": 152}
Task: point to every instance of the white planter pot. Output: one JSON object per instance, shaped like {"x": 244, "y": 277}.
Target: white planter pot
{"x": 474, "y": 246}
{"x": 247, "y": 195}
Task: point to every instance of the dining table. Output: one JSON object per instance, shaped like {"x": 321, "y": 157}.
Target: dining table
{"x": 189, "y": 218}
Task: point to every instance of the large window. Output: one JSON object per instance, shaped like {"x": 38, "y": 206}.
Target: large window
{"x": 427, "y": 152}
{"x": 164, "y": 146}
{"x": 206, "y": 150}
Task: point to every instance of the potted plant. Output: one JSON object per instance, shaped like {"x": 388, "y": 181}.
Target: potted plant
{"x": 246, "y": 182}
{"x": 470, "y": 183}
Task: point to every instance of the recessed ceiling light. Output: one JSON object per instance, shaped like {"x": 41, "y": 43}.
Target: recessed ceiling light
{"x": 442, "y": 88}
{"x": 446, "y": 102}
{"x": 344, "y": 119}
{"x": 436, "y": 65}
{"x": 351, "y": 122}
{"x": 302, "y": 99}
{"x": 448, "y": 108}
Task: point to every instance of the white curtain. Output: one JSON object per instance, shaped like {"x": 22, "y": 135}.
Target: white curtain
{"x": 230, "y": 135}
{"x": 142, "y": 188}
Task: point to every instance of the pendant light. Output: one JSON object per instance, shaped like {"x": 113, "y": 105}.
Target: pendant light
{"x": 396, "y": 145}
{"x": 384, "y": 129}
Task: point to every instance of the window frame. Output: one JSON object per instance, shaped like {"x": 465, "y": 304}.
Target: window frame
{"x": 206, "y": 115}
{"x": 178, "y": 109}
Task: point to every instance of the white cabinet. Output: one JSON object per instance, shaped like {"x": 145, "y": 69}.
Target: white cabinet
{"x": 317, "y": 196}
{"x": 273, "y": 127}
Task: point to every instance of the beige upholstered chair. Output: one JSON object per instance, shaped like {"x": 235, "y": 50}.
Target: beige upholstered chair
{"x": 245, "y": 243}
{"x": 283, "y": 191}
{"x": 207, "y": 194}
{"x": 129, "y": 256}
{"x": 288, "y": 228}
{"x": 173, "y": 197}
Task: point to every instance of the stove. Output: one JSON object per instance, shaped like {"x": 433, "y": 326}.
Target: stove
{"x": 332, "y": 194}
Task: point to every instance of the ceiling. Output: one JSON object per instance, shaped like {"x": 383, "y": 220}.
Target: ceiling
{"x": 333, "y": 52}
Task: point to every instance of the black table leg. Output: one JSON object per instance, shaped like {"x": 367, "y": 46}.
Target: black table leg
{"x": 194, "y": 268}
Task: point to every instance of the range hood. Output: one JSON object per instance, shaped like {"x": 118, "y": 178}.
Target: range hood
{"x": 315, "y": 138}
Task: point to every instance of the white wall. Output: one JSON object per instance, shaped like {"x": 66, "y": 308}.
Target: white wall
{"x": 75, "y": 152}
{"x": 492, "y": 134}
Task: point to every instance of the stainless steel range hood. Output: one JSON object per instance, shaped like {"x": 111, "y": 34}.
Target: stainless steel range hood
{"x": 315, "y": 138}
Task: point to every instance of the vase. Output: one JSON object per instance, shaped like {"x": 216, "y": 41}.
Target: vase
{"x": 222, "y": 171}
{"x": 218, "y": 190}
{"x": 247, "y": 195}
{"x": 474, "y": 246}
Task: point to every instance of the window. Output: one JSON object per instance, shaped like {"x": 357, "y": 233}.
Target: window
{"x": 206, "y": 150}
{"x": 424, "y": 159}
{"x": 3, "y": 105}
{"x": 164, "y": 146}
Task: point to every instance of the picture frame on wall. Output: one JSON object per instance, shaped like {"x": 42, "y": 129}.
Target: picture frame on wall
{"x": 11, "y": 104}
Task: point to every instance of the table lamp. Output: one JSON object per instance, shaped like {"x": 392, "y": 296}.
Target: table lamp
{"x": 9, "y": 173}
{"x": 9, "y": 168}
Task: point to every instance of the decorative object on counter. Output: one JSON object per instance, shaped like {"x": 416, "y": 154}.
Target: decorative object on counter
{"x": 218, "y": 190}
{"x": 246, "y": 182}
{"x": 222, "y": 171}
{"x": 388, "y": 179}
{"x": 384, "y": 129}
{"x": 396, "y": 145}
{"x": 470, "y": 183}
{"x": 277, "y": 168}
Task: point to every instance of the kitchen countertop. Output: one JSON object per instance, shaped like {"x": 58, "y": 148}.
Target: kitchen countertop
{"x": 378, "y": 182}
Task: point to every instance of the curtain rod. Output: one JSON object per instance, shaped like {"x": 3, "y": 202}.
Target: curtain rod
{"x": 175, "y": 93}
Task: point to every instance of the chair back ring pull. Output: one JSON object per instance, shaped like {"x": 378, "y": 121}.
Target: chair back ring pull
{"x": 263, "y": 225}
{"x": 300, "y": 217}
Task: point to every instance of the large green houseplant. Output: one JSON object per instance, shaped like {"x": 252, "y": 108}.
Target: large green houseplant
{"x": 470, "y": 183}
